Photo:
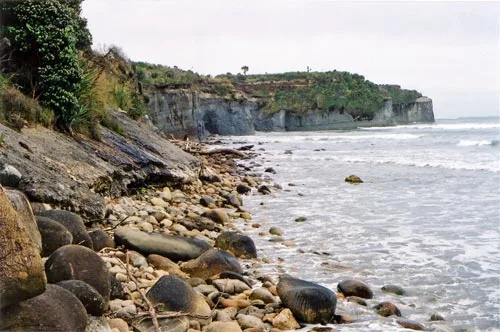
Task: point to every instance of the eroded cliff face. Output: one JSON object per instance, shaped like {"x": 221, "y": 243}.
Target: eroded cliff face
{"x": 182, "y": 111}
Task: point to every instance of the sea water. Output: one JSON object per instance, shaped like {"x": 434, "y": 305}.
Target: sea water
{"x": 426, "y": 218}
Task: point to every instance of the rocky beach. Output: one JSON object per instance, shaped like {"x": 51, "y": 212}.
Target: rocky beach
{"x": 168, "y": 256}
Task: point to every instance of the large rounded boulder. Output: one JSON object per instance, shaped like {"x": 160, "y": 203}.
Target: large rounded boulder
{"x": 57, "y": 309}
{"x": 172, "y": 293}
{"x": 238, "y": 244}
{"x": 54, "y": 235}
{"x": 101, "y": 240}
{"x": 74, "y": 224}
{"x": 91, "y": 299}
{"x": 73, "y": 262}
{"x": 309, "y": 302}
{"x": 210, "y": 263}
{"x": 353, "y": 287}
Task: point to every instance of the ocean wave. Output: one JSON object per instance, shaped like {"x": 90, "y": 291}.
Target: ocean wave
{"x": 465, "y": 142}
{"x": 439, "y": 126}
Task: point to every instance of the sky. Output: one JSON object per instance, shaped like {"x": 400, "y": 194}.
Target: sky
{"x": 449, "y": 51}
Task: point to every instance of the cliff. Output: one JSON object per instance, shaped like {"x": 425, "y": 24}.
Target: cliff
{"x": 184, "y": 111}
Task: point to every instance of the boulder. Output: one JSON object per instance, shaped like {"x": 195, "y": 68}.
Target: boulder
{"x": 238, "y": 244}
{"x": 217, "y": 215}
{"x": 231, "y": 326}
{"x": 265, "y": 190}
{"x": 410, "y": 324}
{"x": 243, "y": 189}
{"x": 22, "y": 206}
{"x": 91, "y": 299}
{"x": 57, "y": 309}
{"x": 165, "y": 264}
{"x": 9, "y": 176}
{"x": 285, "y": 320}
{"x": 211, "y": 262}
{"x": 101, "y": 239}
{"x": 21, "y": 268}
{"x": 309, "y": 302}
{"x": 54, "y": 235}
{"x": 74, "y": 262}
{"x": 74, "y": 224}
{"x": 387, "y": 309}
{"x": 398, "y": 290}
{"x": 176, "y": 324}
{"x": 174, "y": 294}
{"x": 176, "y": 248}
{"x": 353, "y": 179}
{"x": 357, "y": 288}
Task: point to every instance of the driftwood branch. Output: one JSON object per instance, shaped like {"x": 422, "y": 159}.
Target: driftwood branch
{"x": 223, "y": 151}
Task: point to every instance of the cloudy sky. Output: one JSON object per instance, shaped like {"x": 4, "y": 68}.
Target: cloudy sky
{"x": 450, "y": 51}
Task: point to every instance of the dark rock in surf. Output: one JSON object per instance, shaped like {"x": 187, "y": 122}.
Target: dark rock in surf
{"x": 355, "y": 288}
{"x": 57, "y": 309}
{"x": 263, "y": 189}
{"x": 211, "y": 262}
{"x": 73, "y": 262}
{"x": 93, "y": 302}
{"x": 238, "y": 244}
{"x": 410, "y": 324}
{"x": 176, "y": 248}
{"x": 54, "y": 235}
{"x": 74, "y": 224}
{"x": 242, "y": 189}
{"x": 387, "y": 309}
{"x": 309, "y": 302}
{"x": 398, "y": 290}
{"x": 353, "y": 179}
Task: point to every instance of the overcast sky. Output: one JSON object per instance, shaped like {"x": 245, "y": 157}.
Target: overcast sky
{"x": 450, "y": 51}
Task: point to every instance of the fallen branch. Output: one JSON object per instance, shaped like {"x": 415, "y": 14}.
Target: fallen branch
{"x": 224, "y": 151}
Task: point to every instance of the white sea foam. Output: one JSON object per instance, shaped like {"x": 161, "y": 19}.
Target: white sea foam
{"x": 477, "y": 143}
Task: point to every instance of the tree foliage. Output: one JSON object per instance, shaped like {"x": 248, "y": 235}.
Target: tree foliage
{"x": 45, "y": 38}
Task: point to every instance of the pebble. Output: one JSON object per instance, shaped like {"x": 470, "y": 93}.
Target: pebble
{"x": 121, "y": 277}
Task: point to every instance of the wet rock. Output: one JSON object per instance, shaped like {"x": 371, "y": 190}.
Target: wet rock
{"x": 300, "y": 219}
{"x": 91, "y": 299}
{"x": 174, "y": 247}
{"x": 176, "y": 324}
{"x": 243, "y": 189}
{"x": 357, "y": 288}
{"x": 57, "y": 309}
{"x": 217, "y": 215}
{"x": 309, "y": 302}
{"x": 185, "y": 300}
{"x": 165, "y": 264}
{"x": 73, "y": 262}
{"x": 321, "y": 329}
{"x": 262, "y": 294}
{"x": 248, "y": 321}
{"x": 344, "y": 319}
{"x": 398, "y": 290}
{"x": 101, "y": 240}
{"x": 21, "y": 270}
{"x": 410, "y": 324}
{"x": 230, "y": 286}
{"x": 270, "y": 170}
{"x": 211, "y": 262}
{"x": 9, "y": 176}
{"x": 387, "y": 309}
{"x": 74, "y": 224}
{"x": 274, "y": 230}
{"x": 236, "y": 243}
{"x": 353, "y": 179}
{"x": 54, "y": 235}
{"x": 222, "y": 327}
{"x": 437, "y": 317}
{"x": 265, "y": 190}
{"x": 357, "y": 300}
{"x": 207, "y": 201}
{"x": 285, "y": 320}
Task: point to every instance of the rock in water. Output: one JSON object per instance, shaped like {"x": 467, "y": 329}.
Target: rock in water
{"x": 54, "y": 235}
{"x": 57, "y": 309}
{"x": 398, "y": 290}
{"x": 387, "y": 309}
{"x": 74, "y": 224}
{"x": 353, "y": 179}
{"x": 176, "y": 248}
{"x": 410, "y": 324}
{"x": 73, "y": 262}
{"x": 91, "y": 299}
{"x": 309, "y": 302}
{"x": 174, "y": 294}
{"x": 357, "y": 288}
{"x": 21, "y": 269}
{"x": 210, "y": 263}
{"x": 236, "y": 243}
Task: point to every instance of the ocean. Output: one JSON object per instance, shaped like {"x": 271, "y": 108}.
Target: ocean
{"x": 426, "y": 218}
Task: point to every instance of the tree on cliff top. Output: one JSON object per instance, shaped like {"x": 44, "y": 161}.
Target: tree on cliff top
{"x": 244, "y": 69}
{"x": 45, "y": 38}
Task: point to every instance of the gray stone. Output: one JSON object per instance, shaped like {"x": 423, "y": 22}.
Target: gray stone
{"x": 74, "y": 224}
{"x": 57, "y": 309}
{"x": 357, "y": 288}
{"x": 176, "y": 248}
{"x": 398, "y": 290}
{"x": 10, "y": 176}
{"x": 101, "y": 240}
{"x": 93, "y": 302}
{"x": 54, "y": 235}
